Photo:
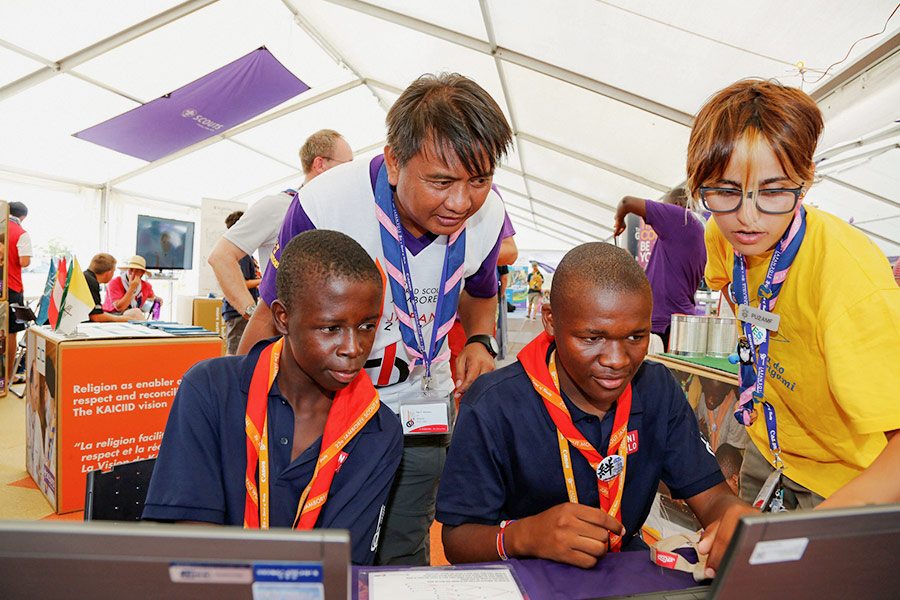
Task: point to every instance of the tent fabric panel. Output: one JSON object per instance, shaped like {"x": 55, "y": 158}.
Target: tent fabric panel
{"x": 463, "y": 16}
{"x": 57, "y": 28}
{"x": 355, "y": 114}
{"x": 39, "y": 122}
{"x": 191, "y": 47}
{"x": 604, "y": 129}
{"x": 583, "y": 178}
{"x": 221, "y": 170}
{"x": 395, "y": 54}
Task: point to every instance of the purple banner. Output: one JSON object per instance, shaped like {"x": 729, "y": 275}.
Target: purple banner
{"x": 199, "y": 110}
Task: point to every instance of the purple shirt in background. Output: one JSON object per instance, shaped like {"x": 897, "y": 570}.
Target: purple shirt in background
{"x": 481, "y": 284}
{"x": 676, "y": 263}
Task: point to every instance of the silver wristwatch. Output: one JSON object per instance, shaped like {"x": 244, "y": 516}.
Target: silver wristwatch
{"x": 248, "y": 312}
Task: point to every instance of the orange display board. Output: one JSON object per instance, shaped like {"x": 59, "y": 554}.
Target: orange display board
{"x": 112, "y": 401}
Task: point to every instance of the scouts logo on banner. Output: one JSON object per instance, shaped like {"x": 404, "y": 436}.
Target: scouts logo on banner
{"x": 67, "y": 297}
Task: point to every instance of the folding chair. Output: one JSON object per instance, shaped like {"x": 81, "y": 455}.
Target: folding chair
{"x": 118, "y": 494}
{"x": 24, "y": 316}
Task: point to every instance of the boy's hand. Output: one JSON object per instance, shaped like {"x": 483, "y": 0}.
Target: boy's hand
{"x": 569, "y": 533}
{"x": 715, "y": 538}
{"x": 134, "y": 284}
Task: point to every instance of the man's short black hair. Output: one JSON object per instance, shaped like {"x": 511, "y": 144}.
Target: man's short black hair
{"x": 453, "y": 114}
{"x": 729, "y": 459}
{"x": 18, "y": 210}
{"x": 314, "y": 256}
{"x": 600, "y": 266}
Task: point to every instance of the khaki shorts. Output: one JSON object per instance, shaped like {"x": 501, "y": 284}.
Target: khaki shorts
{"x": 754, "y": 471}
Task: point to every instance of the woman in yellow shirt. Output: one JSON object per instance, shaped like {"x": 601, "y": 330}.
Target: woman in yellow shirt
{"x": 819, "y": 309}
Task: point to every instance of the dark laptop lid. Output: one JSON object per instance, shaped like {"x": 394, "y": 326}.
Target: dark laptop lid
{"x": 51, "y": 559}
{"x": 841, "y": 553}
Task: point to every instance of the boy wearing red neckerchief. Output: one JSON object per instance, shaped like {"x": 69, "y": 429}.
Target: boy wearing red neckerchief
{"x": 559, "y": 455}
{"x": 294, "y": 433}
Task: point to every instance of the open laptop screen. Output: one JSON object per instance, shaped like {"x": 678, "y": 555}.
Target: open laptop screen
{"x": 47, "y": 559}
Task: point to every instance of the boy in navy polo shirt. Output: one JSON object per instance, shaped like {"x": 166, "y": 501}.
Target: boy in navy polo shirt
{"x": 332, "y": 447}
{"x": 569, "y": 476}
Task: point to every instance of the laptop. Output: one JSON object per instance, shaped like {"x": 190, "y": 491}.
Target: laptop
{"x": 840, "y": 553}
{"x": 53, "y": 559}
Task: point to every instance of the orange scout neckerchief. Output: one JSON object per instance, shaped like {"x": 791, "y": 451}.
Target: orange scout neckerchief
{"x": 350, "y": 410}
{"x": 546, "y": 383}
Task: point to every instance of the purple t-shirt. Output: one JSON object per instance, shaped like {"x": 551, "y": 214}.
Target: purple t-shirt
{"x": 676, "y": 263}
{"x": 481, "y": 284}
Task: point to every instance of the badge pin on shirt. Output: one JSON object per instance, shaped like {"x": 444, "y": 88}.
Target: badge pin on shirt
{"x": 610, "y": 467}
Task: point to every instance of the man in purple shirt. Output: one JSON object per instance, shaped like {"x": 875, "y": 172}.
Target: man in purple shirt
{"x": 678, "y": 258}
{"x": 425, "y": 211}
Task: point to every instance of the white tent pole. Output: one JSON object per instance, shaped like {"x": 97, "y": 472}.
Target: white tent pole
{"x": 504, "y": 86}
{"x": 520, "y": 59}
{"x": 535, "y": 225}
{"x": 329, "y": 49}
{"x": 560, "y": 188}
{"x": 865, "y": 140}
{"x": 859, "y": 190}
{"x": 828, "y": 164}
{"x": 524, "y": 223}
{"x": 570, "y": 230}
{"x": 882, "y": 51}
{"x": 593, "y": 161}
{"x": 556, "y": 208}
{"x": 94, "y": 50}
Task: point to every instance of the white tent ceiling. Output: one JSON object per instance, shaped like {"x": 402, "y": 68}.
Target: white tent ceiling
{"x": 599, "y": 93}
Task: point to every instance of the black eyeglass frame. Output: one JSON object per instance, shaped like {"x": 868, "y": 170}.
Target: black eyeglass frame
{"x": 797, "y": 192}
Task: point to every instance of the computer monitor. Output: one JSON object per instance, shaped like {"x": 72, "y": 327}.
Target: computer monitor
{"x": 53, "y": 559}
{"x": 165, "y": 243}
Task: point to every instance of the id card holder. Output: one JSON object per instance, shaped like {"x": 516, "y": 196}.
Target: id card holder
{"x": 770, "y": 497}
{"x": 430, "y": 412}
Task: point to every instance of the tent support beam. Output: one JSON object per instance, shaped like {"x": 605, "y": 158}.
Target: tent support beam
{"x": 507, "y": 97}
{"x": 567, "y": 213}
{"x": 566, "y": 231}
{"x": 520, "y": 222}
{"x": 329, "y": 49}
{"x": 862, "y": 64}
{"x": 561, "y": 189}
{"x": 593, "y": 162}
{"x": 105, "y": 45}
{"x": 859, "y": 190}
{"x": 522, "y": 60}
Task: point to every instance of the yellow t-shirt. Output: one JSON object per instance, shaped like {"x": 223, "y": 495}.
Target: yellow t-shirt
{"x": 832, "y": 374}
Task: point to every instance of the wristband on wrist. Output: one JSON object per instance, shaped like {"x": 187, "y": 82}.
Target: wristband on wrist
{"x": 501, "y": 551}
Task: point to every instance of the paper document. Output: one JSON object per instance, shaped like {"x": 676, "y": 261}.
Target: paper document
{"x": 444, "y": 584}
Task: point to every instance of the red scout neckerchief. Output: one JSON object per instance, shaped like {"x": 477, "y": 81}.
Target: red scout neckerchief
{"x": 610, "y": 469}
{"x": 350, "y": 410}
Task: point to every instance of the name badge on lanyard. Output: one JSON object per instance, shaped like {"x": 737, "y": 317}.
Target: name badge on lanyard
{"x": 758, "y": 317}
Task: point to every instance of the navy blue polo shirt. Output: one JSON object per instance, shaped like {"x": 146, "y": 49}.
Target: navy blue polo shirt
{"x": 199, "y": 474}
{"x": 504, "y": 459}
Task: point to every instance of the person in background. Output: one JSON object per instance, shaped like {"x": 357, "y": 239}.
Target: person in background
{"x": 730, "y": 459}
{"x": 19, "y": 257}
{"x": 129, "y": 290}
{"x": 537, "y": 466}
{"x": 676, "y": 264}
{"x": 820, "y": 310}
{"x": 101, "y": 270}
{"x": 715, "y": 414}
{"x": 257, "y": 231}
{"x": 234, "y": 321}
{"x": 426, "y": 212}
{"x": 535, "y": 292}
{"x": 292, "y": 434}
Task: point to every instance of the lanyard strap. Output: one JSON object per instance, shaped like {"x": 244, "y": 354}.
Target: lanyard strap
{"x": 545, "y": 380}
{"x": 402, "y": 289}
{"x": 753, "y": 376}
{"x": 350, "y": 410}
